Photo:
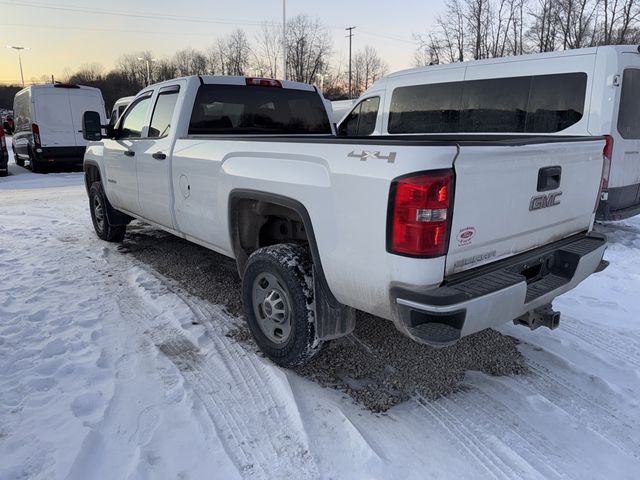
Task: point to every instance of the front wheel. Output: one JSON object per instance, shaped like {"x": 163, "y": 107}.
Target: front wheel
{"x": 101, "y": 224}
{"x": 277, "y": 291}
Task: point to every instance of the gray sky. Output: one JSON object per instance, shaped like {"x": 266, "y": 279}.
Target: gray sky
{"x": 71, "y": 33}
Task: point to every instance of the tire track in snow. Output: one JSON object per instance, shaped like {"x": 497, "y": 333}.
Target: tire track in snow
{"x": 231, "y": 385}
{"x": 584, "y": 408}
{"x": 624, "y": 348}
{"x": 461, "y": 435}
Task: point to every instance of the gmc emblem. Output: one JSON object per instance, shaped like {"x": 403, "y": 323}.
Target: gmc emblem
{"x": 544, "y": 201}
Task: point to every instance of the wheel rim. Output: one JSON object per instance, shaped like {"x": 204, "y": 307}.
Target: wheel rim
{"x": 272, "y": 308}
{"x": 98, "y": 212}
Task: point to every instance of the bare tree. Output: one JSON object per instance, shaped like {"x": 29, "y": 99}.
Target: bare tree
{"x": 368, "y": 68}
{"x": 543, "y": 31}
{"x": 189, "y": 62}
{"x": 308, "y": 48}
{"x": 575, "y": 22}
{"x": 268, "y": 51}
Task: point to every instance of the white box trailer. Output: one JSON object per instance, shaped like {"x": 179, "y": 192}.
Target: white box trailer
{"x": 589, "y": 91}
{"x": 48, "y": 122}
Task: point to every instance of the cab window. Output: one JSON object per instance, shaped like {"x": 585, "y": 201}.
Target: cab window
{"x": 162, "y": 113}
{"x": 362, "y": 119}
{"x": 132, "y": 123}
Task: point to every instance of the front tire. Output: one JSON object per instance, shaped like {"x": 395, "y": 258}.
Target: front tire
{"x": 98, "y": 209}
{"x": 277, "y": 292}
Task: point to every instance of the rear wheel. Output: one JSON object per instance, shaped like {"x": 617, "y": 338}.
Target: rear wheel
{"x": 277, "y": 289}
{"x": 36, "y": 166}
{"x": 19, "y": 161}
{"x": 98, "y": 208}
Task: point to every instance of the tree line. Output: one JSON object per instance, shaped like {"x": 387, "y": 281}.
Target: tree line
{"x": 465, "y": 30}
{"x": 309, "y": 53}
{"x": 477, "y": 29}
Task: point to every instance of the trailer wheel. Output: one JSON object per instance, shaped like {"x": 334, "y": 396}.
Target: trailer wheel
{"x": 277, "y": 290}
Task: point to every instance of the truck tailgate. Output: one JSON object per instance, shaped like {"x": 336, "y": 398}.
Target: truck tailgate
{"x": 512, "y": 199}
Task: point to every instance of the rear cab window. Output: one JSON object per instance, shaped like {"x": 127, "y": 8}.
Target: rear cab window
{"x": 257, "y": 110}
{"x": 629, "y": 113}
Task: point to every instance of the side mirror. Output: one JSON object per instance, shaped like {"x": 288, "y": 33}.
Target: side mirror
{"x": 91, "y": 126}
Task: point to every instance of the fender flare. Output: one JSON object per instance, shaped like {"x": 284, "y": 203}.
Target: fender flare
{"x": 333, "y": 319}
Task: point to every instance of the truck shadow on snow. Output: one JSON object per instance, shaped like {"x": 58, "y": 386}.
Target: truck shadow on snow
{"x": 376, "y": 365}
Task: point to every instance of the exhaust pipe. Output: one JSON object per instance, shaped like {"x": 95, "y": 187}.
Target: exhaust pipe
{"x": 544, "y": 316}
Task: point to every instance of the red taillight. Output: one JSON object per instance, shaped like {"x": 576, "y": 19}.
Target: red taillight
{"x": 421, "y": 214}
{"x": 36, "y": 134}
{"x": 263, "y": 82}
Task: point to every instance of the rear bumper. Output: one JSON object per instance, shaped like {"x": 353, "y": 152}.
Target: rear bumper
{"x": 60, "y": 155}
{"x": 495, "y": 294}
{"x": 619, "y": 203}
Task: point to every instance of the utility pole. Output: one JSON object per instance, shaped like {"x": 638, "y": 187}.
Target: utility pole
{"x": 284, "y": 39}
{"x": 350, "y": 37}
{"x": 19, "y": 49}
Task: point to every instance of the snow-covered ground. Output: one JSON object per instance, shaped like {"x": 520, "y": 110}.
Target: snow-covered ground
{"x": 110, "y": 371}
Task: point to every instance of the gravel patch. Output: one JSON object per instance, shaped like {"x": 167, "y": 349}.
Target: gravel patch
{"x": 376, "y": 365}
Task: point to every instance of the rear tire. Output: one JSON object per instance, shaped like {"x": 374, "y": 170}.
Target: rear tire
{"x": 277, "y": 292}
{"x": 36, "y": 166}
{"x": 99, "y": 217}
{"x": 18, "y": 161}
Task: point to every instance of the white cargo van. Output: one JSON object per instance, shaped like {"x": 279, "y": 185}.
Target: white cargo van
{"x": 118, "y": 109}
{"x": 339, "y": 109}
{"x": 48, "y": 122}
{"x": 590, "y": 91}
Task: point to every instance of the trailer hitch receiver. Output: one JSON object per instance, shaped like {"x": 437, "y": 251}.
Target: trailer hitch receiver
{"x": 544, "y": 316}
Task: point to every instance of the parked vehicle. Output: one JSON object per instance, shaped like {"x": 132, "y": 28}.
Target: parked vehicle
{"x": 4, "y": 155}
{"x": 118, "y": 109}
{"x": 340, "y": 108}
{"x": 48, "y": 122}
{"x": 445, "y": 236}
{"x": 589, "y": 91}
{"x": 7, "y": 124}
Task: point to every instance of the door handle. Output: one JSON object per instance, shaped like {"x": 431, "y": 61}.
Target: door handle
{"x": 129, "y": 153}
{"x": 159, "y": 156}
{"x": 549, "y": 178}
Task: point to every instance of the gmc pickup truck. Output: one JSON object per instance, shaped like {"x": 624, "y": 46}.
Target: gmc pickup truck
{"x": 444, "y": 236}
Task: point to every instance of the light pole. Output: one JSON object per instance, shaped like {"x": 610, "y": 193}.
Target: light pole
{"x": 19, "y": 49}
{"x": 321, "y": 75}
{"x": 350, "y": 37}
{"x": 148, "y": 62}
{"x": 284, "y": 39}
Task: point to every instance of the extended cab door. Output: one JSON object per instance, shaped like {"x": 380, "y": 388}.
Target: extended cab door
{"x": 120, "y": 156}
{"x": 153, "y": 159}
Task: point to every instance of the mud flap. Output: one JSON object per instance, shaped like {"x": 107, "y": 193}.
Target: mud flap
{"x": 333, "y": 319}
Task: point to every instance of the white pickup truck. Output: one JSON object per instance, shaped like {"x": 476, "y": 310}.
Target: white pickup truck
{"x": 444, "y": 236}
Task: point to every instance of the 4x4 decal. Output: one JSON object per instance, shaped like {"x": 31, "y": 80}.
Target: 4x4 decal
{"x": 366, "y": 154}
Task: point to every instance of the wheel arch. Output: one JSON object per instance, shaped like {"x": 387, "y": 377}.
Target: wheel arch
{"x": 333, "y": 318}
